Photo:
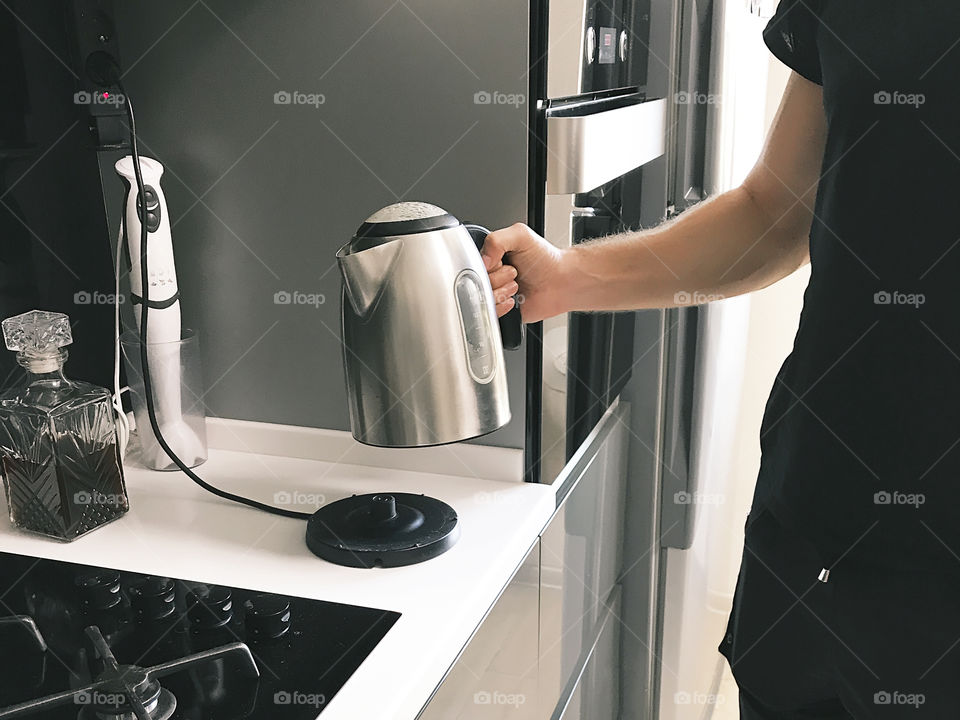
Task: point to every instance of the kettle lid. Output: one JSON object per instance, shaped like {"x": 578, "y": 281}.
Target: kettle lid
{"x": 404, "y": 218}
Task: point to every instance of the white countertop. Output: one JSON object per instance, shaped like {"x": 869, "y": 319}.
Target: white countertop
{"x": 176, "y": 529}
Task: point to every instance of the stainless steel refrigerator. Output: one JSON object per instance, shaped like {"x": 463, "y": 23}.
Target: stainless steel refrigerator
{"x": 625, "y": 117}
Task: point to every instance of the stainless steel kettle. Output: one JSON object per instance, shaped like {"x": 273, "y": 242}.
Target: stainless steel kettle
{"x": 422, "y": 346}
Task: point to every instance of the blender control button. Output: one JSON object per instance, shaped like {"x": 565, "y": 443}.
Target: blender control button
{"x": 151, "y": 197}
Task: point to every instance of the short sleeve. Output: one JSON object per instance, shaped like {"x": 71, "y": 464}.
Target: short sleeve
{"x": 791, "y": 36}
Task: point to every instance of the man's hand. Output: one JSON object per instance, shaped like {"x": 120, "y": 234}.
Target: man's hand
{"x": 740, "y": 241}
{"x": 522, "y": 263}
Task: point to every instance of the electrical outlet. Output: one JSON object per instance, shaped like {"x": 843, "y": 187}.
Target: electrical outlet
{"x": 94, "y": 53}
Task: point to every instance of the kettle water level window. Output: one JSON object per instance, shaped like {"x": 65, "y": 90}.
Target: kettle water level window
{"x": 477, "y": 331}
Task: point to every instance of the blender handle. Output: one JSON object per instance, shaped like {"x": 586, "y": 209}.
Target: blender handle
{"x": 512, "y": 328}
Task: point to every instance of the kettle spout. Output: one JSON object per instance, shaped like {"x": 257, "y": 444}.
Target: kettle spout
{"x": 365, "y": 273}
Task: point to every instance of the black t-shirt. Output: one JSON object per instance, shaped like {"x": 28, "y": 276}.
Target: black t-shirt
{"x": 861, "y": 436}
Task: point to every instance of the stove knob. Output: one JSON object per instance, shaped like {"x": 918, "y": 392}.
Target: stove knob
{"x": 155, "y": 598}
{"x": 209, "y": 607}
{"x": 98, "y": 589}
{"x": 268, "y": 616}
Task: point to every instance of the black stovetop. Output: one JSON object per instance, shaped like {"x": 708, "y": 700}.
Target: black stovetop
{"x": 211, "y": 652}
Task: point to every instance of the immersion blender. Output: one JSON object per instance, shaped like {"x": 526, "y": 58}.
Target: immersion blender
{"x": 164, "y": 330}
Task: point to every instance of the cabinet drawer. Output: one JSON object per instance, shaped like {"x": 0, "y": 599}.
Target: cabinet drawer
{"x": 496, "y": 674}
{"x": 581, "y": 555}
{"x": 595, "y": 690}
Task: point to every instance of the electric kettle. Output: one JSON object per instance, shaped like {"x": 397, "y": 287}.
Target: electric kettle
{"x": 422, "y": 345}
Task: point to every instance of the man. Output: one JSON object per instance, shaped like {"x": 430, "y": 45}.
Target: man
{"x": 848, "y": 600}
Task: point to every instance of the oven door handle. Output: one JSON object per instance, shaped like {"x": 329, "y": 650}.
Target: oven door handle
{"x": 596, "y": 141}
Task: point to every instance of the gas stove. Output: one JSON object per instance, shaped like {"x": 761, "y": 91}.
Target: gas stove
{"x": 89, "y": 643}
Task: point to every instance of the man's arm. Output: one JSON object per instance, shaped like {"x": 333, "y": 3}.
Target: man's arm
{"x": 740, "y": 241}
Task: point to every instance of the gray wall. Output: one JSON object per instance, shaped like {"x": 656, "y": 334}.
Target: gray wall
{"x": 262, "y": 194}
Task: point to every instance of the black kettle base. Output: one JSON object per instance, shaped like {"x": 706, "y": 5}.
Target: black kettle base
{"x": 382, "y": 530}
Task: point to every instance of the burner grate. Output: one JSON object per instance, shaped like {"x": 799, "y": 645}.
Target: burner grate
{"x": 26, "y": 624}
{"x": 126, "y": 692}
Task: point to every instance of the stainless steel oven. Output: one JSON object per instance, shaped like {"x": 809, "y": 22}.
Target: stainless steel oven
{"x": 606, "y": 138}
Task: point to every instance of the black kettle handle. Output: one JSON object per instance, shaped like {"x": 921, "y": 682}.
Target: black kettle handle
{"x": 512, "y": 328}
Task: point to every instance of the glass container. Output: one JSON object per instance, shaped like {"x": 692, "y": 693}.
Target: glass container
{"x": 58, "y": 441}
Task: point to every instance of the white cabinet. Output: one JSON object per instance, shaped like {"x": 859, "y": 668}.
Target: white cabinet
{"x": 549, "y": 649}
{"x": 595, "y": 685}
{"x": 580, "y": 566}
{"x": 496, "y": 674}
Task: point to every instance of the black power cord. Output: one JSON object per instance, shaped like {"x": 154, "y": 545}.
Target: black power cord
{"x": 144, "y": 367}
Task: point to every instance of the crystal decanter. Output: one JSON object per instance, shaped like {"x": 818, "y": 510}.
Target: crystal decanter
{"x": 58, "y": 440}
